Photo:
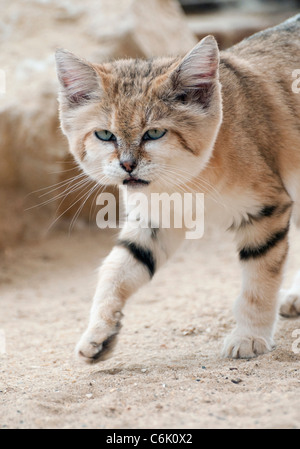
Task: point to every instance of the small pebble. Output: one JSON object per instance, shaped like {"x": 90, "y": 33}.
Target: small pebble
{"x": 236, "y": 381}
{"x": 144, "y": 370}
{"x": 89, "y": 396}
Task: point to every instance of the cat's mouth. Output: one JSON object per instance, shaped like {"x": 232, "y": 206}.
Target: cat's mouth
{"x": 135, "y": 182}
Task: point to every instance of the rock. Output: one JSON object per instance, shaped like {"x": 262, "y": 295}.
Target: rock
{"x": 141, "y": 28}
{"x": 236, "y": 381}
{"x": 34, "y": 153}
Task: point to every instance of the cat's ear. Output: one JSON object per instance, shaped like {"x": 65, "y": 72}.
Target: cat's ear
{"x": 195, "y": 78}
{"x": 200, "y": 66}
{"x": 78, "y": 79}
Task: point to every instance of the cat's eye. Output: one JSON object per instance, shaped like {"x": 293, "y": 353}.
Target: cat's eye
{"x": 105, "y": 136}
{"x": 154, "y": 134}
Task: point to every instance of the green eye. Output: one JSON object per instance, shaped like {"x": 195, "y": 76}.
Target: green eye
{"x": 105, "y": 136}
{"x": 154, "y": 134}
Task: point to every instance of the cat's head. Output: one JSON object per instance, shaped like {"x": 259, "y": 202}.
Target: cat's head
{"x": 142, "y": 122}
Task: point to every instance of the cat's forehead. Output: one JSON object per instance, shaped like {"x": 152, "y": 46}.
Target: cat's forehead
{"x": 137, "y": 76}
{"x": 142, "y": 67}
{"x": 132, "y": 100}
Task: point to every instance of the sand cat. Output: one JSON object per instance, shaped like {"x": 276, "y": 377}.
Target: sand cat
{"x": 229, "y": 120}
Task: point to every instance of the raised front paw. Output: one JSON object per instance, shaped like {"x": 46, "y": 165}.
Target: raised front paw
{"x": 98, "y": 342}
{"x": 246, "y": 346}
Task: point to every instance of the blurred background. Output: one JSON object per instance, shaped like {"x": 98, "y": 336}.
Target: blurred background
{"x": 36, "y": 170}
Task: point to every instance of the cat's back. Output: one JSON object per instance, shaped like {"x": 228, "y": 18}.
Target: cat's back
{"x": 274, "y": 47}
{"x": 261, "y": 110}
{"x": 258, "y": 72}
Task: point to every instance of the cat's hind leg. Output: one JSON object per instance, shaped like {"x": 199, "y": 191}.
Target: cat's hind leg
{"x": 290, "y": 299}
{"x": 263, "y": 247}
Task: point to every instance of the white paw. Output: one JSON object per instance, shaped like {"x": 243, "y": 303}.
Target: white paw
{"x": 290, "y": 304}
{"x": 246, "y": 347}
{"x": 97, "y": 343}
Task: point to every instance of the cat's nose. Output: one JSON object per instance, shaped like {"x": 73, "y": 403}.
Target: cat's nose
{"x": 128, "y": 165}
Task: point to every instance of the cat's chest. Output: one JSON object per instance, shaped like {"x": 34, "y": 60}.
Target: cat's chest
{"x": 166, "y": 210}
{"x": 230, "y": 210}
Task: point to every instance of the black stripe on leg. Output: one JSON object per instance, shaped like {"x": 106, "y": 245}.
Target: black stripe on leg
{"x": 265, "y": 212}
{"x": 249, "y": 252}
{"x": 269, "y": 211}
{"x": 143, "y": 255}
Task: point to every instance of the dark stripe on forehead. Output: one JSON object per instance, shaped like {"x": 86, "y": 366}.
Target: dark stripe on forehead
{"x": 142, "y": 255}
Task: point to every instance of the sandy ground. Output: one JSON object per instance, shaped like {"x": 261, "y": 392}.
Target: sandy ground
{"x": 166, "y": 371}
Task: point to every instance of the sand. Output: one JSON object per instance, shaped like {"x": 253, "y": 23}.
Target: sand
{"x": 166, "y": 371}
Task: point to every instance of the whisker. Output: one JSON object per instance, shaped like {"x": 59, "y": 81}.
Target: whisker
{"x": 63, "y": 213}
{"x": 79, "y": 210}
{"x": 94, "y": 204}
{"x": 58, "y": 172}
{"x": 89, "y": 194}
{"x": 185, "y": 182}
{"x": 64, "y": 194}
{"x": 76, "y": 201}
{"x": 198, "y": 183}
{"x": 56, "y": 186}
{"x": 61, "y": 184}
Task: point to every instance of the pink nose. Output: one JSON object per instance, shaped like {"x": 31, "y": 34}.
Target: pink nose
{"x": 128, "y": 165}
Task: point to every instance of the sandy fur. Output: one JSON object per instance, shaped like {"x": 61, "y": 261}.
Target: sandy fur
{"x": 233, "y": 131}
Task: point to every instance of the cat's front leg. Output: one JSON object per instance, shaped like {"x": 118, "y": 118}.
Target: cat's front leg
{"x": 263, "y": 247}
{"x": 131, "y": 264}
